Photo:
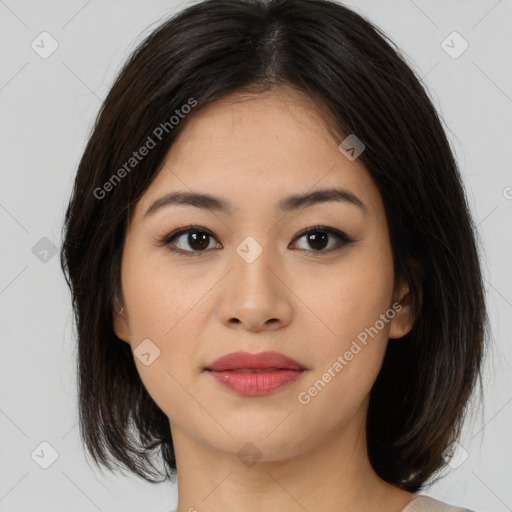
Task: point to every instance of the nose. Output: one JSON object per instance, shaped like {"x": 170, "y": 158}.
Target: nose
{"x": 254, "y": 295}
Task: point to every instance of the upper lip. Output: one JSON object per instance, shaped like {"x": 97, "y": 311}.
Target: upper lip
{"x": 250, "y": 361}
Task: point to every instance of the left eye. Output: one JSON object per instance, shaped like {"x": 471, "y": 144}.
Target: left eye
{"x": 198, "y": 239}
{"x": 318, "y": 237}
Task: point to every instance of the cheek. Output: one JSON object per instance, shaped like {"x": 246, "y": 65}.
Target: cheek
{"x": 353, "y": 315}
{"x": 160, "y": 294}
{"x": 348, "y": 301}
{"x": 348, "y": 361}
{"x": 162, "y": 305}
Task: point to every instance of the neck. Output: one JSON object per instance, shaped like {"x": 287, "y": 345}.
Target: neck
{"x": 332, "y": 473}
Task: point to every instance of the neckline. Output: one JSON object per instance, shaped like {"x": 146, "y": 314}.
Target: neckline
{"x": 416, "y": 498}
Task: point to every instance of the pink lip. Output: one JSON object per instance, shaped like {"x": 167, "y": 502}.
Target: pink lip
{"x": 259, "y": 361}
{"x": 274, "y": 371}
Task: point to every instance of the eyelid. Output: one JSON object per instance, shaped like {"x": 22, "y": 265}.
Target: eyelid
{"x": 185, "y": 229}
{"x": 326, "y": 229}
{"x": 342, "y": 237}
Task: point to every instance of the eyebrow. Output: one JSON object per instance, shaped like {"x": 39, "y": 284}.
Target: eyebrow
{"x": 288, "y": 204}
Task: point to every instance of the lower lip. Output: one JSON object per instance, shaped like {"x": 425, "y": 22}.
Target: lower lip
{"x": 256, "y": 383}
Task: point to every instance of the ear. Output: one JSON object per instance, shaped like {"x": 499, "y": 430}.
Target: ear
{"x": 407, "y": 313}
{"x": 120, "y": 322}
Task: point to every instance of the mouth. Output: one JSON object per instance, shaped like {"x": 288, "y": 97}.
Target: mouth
{"x": 255, "y": 374}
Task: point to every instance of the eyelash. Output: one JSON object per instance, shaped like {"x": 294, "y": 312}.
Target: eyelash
{"x": 342, "y": 237}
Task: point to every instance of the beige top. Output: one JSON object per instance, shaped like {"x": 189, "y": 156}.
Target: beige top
{"x": 424, "y": 503}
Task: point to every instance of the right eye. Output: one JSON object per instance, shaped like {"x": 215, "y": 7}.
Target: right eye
{"x": 195, "y": 237}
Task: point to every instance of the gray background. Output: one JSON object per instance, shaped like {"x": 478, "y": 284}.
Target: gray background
{"x": 46, "y": 109}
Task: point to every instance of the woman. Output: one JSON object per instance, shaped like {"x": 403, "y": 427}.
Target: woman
{"x": 274, "y": 270}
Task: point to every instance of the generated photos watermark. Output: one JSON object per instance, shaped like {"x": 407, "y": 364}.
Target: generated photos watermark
{"x": 151, "y": 142}
{"x": 305, "y": 397}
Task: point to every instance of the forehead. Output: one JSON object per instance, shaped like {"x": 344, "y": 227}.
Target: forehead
{"x": 258, "y": 149}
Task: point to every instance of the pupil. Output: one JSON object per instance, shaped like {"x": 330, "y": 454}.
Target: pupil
{"x": 314, "y": 238}
{"x": 199, "y": 239}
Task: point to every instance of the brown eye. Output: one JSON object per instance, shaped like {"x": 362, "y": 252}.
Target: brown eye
{"x": 191, "y": 240}
{"x": 198, "y": 241}
{"x": 318, "y": 238}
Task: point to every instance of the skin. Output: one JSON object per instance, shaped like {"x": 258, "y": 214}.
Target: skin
{"x": 253, "y": 150}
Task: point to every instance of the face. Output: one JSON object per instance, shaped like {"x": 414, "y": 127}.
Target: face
{"x": 259, "y": 277}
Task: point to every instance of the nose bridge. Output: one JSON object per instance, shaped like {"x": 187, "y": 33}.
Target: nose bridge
{"x": 254, "y": 295}
{"x": 252, "y": 261}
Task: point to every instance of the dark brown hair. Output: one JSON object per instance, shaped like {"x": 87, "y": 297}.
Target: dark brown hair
{"x": 363, "y": 85}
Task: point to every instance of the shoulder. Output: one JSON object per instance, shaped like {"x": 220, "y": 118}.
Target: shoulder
{"x": 427, "y": 504}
